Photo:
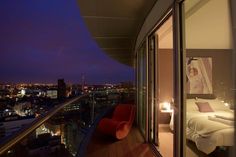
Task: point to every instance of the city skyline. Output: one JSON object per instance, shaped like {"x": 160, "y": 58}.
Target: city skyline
{"x": 42, "y": 41}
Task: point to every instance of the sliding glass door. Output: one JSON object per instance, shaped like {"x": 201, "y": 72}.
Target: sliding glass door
{"x": 160, "y": 88}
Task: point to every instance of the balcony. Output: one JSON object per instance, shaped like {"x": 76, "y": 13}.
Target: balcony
{"x": 68, "y": 128}
{"x": 132, "y": 146}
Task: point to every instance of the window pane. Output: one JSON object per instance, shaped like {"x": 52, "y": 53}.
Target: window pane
{"x": 209, "y": 78}
{"x": 142, "y": 97}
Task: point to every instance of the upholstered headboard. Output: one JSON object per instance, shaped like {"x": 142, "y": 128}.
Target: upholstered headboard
{"x": 203, "y": 96}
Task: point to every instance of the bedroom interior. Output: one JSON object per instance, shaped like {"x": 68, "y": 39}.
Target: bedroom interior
{"x": 209, "y": 72}
{"x": 165, "y": 115}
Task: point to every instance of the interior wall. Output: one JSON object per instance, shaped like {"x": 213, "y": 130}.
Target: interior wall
{"x": 165, "y": 63}
{"x": 221, "y": 70}
{"x": 210, "y": 26}
{"x": 165, "y": 34}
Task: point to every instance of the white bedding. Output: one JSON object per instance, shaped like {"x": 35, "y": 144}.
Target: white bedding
{"x": 209, "y": 133}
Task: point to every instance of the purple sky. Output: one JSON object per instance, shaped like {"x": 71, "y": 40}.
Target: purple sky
{"x": 43, "y": 40}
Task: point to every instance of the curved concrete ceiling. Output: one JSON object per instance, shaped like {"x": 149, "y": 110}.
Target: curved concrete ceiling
{"x": 114, "y": 24}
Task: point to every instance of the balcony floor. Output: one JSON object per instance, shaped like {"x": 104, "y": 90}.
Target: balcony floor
{"x": 132, "y": 146}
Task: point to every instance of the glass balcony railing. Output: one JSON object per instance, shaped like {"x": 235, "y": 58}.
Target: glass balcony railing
{"x": 62, "y": 131}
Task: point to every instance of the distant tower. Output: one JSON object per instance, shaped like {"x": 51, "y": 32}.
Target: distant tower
{"x": 61, "y": 89}
{"x": 83, "y": 82}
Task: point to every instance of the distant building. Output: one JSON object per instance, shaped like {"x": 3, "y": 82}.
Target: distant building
{"x": 23, "y": 108}
{"x": 4, "y": 93}
{"x": 76, "y": 90}
{"x": 6, "y": 113}
{"x": 61, "y": 89}
{"x": 13, "y": 124}
{"x": 51, "y": 93}
{"x": 44, "y": 145}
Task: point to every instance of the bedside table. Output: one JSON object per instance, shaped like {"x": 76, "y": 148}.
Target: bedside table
{"x": 171, "y": 113}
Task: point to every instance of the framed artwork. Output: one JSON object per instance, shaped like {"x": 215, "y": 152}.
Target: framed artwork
{"x": 199, "y": 75}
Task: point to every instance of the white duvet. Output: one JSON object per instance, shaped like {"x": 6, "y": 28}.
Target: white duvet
{"x": 209, "y": 131}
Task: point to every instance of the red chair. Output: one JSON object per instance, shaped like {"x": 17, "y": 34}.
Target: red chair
{"x": 120, "y": 123}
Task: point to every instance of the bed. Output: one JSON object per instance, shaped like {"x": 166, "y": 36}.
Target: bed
{"x": 209, "y": 124}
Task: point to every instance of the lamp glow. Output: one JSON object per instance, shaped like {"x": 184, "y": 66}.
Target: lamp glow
{"x": 165, "y": 106}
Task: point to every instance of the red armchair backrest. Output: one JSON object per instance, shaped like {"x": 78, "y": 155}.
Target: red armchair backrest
{"x": 124, "y": 112}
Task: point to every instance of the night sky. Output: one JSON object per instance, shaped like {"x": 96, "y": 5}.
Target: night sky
{"x": 43, "y": 40}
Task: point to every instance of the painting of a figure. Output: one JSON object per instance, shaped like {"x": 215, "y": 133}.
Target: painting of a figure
{"x": 199, "y": 75}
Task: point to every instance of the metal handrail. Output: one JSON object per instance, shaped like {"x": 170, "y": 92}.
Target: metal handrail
{"x": 34, "y": 125}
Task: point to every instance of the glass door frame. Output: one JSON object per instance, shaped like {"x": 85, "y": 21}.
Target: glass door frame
{"x": 152, "y": 88}
{"x": 153, "y": 104}
{"x": 179, "y": 89}
{"x": 176, "y": 10}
